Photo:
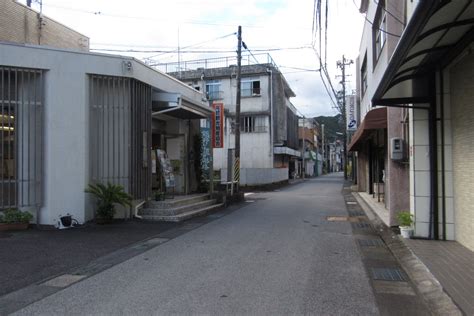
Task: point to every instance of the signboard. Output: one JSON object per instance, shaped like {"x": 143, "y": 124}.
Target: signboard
{"x": 217, "y": 126}
{"x": 205, "y": 151}
{"x": 166, "y": 167}
{"x": 351, "y": 113}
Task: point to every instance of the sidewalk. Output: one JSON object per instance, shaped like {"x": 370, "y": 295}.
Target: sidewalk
{"x": 33, "y": 255}
{"x": 450, "y": 264}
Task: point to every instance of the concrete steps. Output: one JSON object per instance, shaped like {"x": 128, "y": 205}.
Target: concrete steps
{"x": 180, "y": 209}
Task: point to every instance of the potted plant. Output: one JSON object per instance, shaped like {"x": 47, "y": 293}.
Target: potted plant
{"x": 159, "y": 196}
{"x": 405, "y": 221}
{"x": 14, "y": 219}
{"x": 107, "y": 196}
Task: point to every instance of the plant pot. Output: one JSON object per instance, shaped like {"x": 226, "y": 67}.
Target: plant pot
{"x": 406, "y": 231}
{"x": 13, "y": 226}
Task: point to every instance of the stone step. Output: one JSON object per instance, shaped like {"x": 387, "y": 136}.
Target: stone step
{"x": 177, "y": 202}
{"x": 183, "y": 216}
{"x": 175, "y": 210}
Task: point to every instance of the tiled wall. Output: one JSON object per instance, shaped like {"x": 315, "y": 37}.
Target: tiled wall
{"x": 462, "y": 107}
{"x": 420, "y": 169}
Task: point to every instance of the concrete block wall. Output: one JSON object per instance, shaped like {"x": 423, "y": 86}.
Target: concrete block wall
{"x": 462, "y": 111}
{"x": 21, "y": 24}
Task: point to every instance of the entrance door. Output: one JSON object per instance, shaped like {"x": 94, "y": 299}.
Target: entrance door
{"x": 175, "y": 150}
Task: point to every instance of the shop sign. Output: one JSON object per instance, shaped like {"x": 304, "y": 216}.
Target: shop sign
{"x": 218, "y": 125}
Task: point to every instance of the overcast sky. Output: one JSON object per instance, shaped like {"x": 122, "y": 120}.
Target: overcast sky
{"x": 281, "y": 25}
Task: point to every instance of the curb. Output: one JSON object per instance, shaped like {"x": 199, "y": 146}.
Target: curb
{"x": 426, "y": 284}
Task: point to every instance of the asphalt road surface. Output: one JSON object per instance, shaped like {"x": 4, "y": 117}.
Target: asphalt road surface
{"x": 276, "y": 255}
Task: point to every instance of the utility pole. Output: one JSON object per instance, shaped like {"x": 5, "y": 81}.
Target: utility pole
{"x": 342, "y": 64}
{"x": 237, "y": 109}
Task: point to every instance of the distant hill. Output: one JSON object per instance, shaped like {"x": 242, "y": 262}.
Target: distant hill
{"x": 332, "y": 124}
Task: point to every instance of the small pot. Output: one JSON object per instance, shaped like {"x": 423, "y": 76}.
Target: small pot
{"x": 13, "y": 226}
{"x": 406, "y": 231}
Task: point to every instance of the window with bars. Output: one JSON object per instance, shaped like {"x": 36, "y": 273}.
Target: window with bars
{"x": 21, "y": 137}
{"x": 251, "y": 124}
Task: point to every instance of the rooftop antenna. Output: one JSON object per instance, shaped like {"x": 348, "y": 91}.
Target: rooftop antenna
{"x": 179, "y": 57}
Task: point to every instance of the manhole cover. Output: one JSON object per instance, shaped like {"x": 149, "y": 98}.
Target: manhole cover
{"x": 387, "y": 274}
{"x": 371, "y": 243}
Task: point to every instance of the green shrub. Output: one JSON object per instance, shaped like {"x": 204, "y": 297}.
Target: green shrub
{"x": 106, "y": 196}
{"x": 405, "y": 218}
{"x": 13, "y": 215}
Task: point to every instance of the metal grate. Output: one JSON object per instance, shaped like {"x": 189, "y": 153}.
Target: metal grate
{"x": 21, "y": 137}
{"x": 356, "y": 213}
{"x": 361, "y": 225}
{"x": 371, "y": 243}
{"x": 388, "y": 274}
{"x": 120, "y": 136}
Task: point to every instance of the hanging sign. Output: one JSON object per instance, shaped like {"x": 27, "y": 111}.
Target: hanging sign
{"x": 218, "y": 125}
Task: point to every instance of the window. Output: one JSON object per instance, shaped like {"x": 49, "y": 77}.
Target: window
{"x": 213, "y": 90}
{"x": 251, "y": 124}
{"x": 363, "y": 76}
{"x": 250, "y": 87}
{"x": 379, "y": 29}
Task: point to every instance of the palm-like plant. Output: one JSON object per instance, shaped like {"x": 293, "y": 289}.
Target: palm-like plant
{"x": 106, "y": 196}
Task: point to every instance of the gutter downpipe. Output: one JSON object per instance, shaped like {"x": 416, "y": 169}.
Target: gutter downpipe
{"x": 271, "y": 111}
{"x": 443, "y": 176}
{"x": 434, "y": 216}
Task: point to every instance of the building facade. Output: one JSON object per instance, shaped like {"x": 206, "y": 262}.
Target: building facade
{"x": 268, "y": 124}
{"x": 93, "y": 118}
{"x": 429, "y": 76}
{"x": 376, "y": 171}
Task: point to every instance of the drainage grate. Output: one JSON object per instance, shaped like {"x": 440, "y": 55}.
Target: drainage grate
{"x": 371, "y": 243}
{"x": 388, "y": 274}
{"x": 360, "y": 225}
{"x": 356, "y": 213}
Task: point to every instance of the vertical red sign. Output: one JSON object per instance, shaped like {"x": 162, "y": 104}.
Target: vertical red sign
{"x": 218, "y": 125}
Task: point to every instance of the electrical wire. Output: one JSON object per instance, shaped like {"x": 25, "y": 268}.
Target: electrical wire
{"x": 372, "y": 23}
{"x": 191, "y": 22}
{"x": 389, "y": 13}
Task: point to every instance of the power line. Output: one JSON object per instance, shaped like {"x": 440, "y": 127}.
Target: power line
{"x": 192, "y": 51}
{"x": 372, "y": 23}
{"x": 192, "y": 22}
{"x": 389, "y": 13}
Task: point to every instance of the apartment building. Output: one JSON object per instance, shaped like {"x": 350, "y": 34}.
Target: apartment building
{"x": 268, "y": 122}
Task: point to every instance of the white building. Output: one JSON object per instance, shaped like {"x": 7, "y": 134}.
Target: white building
{"x": 268, "y": 124}
{"x": 70, "y": 118}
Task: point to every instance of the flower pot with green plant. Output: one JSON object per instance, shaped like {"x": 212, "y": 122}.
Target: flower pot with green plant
{"x": 107, "y": 196}
{"x": 405, "y": 221}
{"x": 14, "y": 219}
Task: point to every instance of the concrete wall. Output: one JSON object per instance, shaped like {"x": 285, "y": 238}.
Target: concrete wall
{"x": 462, "y": 107}
{"x": 66, "y": 115}
{"x": 396, "y": 173}
{"x": 259, "y": 176}
{"x": 21, "y": 24}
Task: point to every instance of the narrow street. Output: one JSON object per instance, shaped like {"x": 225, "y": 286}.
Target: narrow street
{"x": 278, "y": 254}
